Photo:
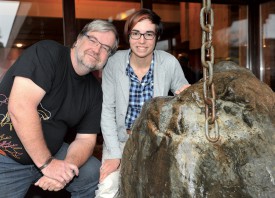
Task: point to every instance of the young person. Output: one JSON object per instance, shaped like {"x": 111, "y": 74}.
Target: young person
{"x": 130, "y": 78}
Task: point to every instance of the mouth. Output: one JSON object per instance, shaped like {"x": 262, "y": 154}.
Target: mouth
{"x": 92, "y": 55}
{"x": 141, "y": 47}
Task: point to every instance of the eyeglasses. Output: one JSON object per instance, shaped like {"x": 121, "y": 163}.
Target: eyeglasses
{"x": 94, "y": 42}
{"x": 147, "y": 35}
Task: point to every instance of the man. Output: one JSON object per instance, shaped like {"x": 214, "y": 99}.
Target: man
{"x": 130, "y": 78}
{"x": 49, "y": 90}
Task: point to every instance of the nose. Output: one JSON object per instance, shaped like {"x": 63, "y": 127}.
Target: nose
{"x": 142, "y": 39}
{"x": 97, "y": 48}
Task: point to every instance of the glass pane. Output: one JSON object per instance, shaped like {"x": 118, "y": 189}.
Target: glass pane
{"x": 25, "y": 22}
{"x": 267, "y": 69}
{"x": 229, "y": 35}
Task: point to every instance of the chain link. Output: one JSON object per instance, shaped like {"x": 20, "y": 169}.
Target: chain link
{"x": 207, "y": 59}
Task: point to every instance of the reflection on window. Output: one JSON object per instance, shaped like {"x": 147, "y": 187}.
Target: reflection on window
{"x": 267, "y": 68}
{"x": 38, "y": 20}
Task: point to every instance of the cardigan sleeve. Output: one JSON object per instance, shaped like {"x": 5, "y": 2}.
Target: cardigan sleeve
{"x": 178, "y": 77}
{"x": 108, "y": 115}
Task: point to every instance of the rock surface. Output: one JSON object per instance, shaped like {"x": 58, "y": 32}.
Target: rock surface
{"x": 168, "y": 155}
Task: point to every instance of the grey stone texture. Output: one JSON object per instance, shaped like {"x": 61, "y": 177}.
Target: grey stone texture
{"x": 168, "y": 155}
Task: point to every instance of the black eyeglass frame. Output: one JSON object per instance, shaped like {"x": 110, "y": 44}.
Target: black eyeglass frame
{"x": 144, "y": 35}
{"x": 96, "y": 42}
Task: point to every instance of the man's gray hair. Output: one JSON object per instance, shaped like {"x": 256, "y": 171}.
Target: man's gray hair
{"x": 100, "y": 26}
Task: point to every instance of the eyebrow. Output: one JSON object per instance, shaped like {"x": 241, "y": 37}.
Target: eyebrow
{"x": 98, "y": 40}
{"x": 133, "y": 30}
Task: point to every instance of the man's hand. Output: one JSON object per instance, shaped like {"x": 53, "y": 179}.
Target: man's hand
{"x": 108, "y": 166}
{"x": 49, "y": 184}
{"x": 182, "y": 88}
{"x": 61, "y": 171}
{"x": 64, "y": 170}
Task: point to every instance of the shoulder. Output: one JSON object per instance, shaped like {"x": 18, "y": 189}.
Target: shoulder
{"x": 161, "y": 52}
{"x": 45, "y": 48}
{"x": 47, "y": 43}
{"x": 165, "y": 58}
{"x": 117, "y": 60}
{"x": 50, "y": 48}
{"x": 119, "y": 55}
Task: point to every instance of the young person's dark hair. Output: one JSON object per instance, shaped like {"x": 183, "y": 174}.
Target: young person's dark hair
{"x": 140, "y": 16}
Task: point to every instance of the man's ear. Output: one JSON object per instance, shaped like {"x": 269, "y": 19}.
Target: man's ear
{"x": 75, "y": 44}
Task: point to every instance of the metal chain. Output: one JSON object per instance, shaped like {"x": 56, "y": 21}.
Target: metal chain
{"x": 207, "y": 59}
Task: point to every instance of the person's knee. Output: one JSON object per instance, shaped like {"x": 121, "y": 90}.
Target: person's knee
{"x": 110, "y": 185}
{"x": 88, "y": 177}
{"x": 85, "y": 184}
{"x": 90, "y": 169}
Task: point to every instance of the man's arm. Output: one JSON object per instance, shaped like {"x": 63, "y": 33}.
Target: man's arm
{"x": 81, "y": 149}
{"x": 23, "y": 101}
{"x": 78, "y": 153}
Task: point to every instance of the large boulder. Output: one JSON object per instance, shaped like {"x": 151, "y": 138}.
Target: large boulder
{"x": 169, "y": 156}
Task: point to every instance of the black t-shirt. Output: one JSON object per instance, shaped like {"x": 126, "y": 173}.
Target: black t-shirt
{"x": 71, "y": 101}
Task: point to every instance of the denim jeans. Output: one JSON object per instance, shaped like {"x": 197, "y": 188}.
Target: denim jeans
{"x": 15, "y": 178}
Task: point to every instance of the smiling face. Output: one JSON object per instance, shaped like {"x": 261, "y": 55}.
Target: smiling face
{"x": 143, "y": 48}
{"x": 90, "y": 51}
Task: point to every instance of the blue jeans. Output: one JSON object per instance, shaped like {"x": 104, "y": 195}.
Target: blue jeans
{"x": 15, "y": 178}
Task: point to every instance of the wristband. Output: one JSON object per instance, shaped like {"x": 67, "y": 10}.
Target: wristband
{"x": 46, "y": 163}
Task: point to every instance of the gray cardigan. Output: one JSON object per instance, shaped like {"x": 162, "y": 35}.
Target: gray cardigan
{"x": 168, "y": 75}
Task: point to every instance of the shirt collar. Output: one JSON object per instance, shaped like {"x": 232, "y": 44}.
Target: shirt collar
{"x": 151, "y": 70}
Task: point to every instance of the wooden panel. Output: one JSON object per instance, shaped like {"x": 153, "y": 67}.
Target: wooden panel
{"x": 168, "y": 13}
{"x": 49, "y": 8}
{"x": 254, "y": 38}
{"x": 194, "y": 25}
{"x": 221, "y": 31}
{"x": 184, "y": 25}
{"x": 69, "y": 23}
{"x": 146, "y": 4}
{"x": 103, "y": 9}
